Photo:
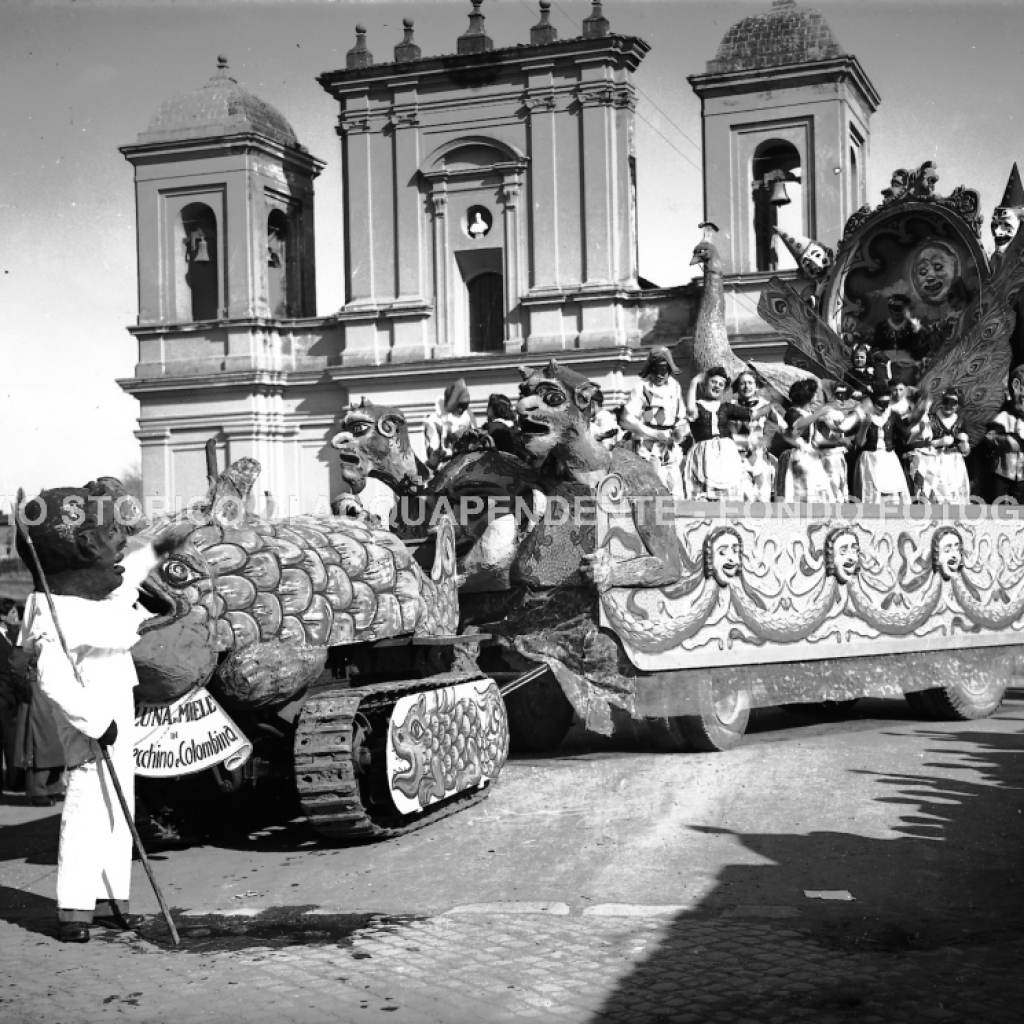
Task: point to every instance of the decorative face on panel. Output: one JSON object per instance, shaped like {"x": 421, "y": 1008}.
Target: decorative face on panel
{"x": 934, "y": 268}
{"x": 374, "y": 441}
{"x": 947, "y": 552}
{"x": 842, "y": 555}
{"x": 723, "y": 555}
{"x": 554, "y": 408}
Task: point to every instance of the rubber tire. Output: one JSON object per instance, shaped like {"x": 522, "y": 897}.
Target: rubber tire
{"x": 837, "y": 709}
{"x": 669, "y": 735}
{"x": 712, "y": 731}
{"x": 958, "y": 703}
{"x": 539, "y": 716}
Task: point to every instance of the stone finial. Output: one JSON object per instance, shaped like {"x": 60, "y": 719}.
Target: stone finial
{"x": 475, "y": 39}
{"x": 597, "y": 24}
{"x": 544, "y": 32}
{"x": 359, "y": 56}
{"x": 407, "y": 50}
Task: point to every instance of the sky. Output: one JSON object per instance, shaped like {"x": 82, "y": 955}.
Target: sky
{"x": 79, "y": 78}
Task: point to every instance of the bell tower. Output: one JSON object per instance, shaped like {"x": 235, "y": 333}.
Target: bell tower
{"x": 224, "y": 204}
{"x": 785, "y": 116}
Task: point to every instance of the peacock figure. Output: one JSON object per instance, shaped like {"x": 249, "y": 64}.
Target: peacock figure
{"x": 711, "y": 346}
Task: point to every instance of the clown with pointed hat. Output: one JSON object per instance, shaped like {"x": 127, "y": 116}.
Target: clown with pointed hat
{"x": 813, "y": 258}
{"x": 1006, "y": 217}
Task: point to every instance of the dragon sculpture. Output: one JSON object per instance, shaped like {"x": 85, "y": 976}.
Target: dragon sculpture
{"x": 551, "y": 614}
{"x": 478, "y": 485}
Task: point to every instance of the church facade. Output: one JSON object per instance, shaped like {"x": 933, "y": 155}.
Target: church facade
{"x": 490, "y": 223}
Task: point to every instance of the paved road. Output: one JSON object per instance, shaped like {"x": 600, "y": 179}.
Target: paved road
{"x": 606, "y": 883}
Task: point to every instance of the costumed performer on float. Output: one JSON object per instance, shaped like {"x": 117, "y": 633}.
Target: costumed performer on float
{"x": 447, "y": 423}
{"x": 94, "y": 579}
{"x": 656, "y": 420}
{"x": 814, "y": 469}
{"x": 938, "y": 471}
{"x": 879, "y": 475}
{"x": 748, "y": 436}
{"x": 714, "y": 468}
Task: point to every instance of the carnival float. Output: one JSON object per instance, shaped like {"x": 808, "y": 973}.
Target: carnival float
{"x": 561, "y": 577}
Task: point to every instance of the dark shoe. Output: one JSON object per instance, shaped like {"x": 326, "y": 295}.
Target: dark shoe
{"x": 73, "y": 931}
{"x": 42, "y": 801}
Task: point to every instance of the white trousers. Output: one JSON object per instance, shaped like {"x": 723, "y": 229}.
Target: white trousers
{"x": 95, "y": 857}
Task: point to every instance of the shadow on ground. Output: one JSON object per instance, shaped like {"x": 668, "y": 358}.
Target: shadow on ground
{"x": 939, "y": 903}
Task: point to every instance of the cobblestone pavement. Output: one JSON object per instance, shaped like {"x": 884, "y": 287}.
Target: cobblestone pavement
{"x": 609, "y": 883}
{"x": 512, "y": 962}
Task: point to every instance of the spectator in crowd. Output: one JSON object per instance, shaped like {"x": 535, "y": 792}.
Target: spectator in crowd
{"x": 38, "y": 750}
{"x": 12, "y": 776}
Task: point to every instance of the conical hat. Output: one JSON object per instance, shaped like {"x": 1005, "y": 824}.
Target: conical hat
{"x": 796, "y": 244}
{"x": 1014, "y": 194}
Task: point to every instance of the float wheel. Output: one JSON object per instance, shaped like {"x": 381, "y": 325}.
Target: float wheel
{"x": 669, "y": 734}
{"x": 963, "y": 700}
{"x": 721, "y": 723}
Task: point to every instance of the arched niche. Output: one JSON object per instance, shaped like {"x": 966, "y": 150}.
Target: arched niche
{"x": 279, "y": 264}
{"x": 198, "y": 294}
{"x": 472, "y": 153}
{"x": 776, "y": 165}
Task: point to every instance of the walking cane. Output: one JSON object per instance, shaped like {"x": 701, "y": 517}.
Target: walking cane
{"x": 23, "y": 530}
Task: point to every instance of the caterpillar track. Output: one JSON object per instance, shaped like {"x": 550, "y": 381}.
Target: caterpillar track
{"x": 340, "y": 761}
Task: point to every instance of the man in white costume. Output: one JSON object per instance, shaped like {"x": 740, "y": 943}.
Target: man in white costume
{"x": 94, "y": 573}
{"x": 655, "y": 416}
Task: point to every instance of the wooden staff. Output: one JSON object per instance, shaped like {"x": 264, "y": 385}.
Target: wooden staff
{"x": 23, "y": 530}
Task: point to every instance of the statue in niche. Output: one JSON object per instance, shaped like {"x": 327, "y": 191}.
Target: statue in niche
{"x": 478, "y": 227}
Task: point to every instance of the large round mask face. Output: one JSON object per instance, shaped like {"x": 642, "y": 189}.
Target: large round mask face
{"x": 949, "y": 555}
{"x": 934, "y": 273}
{"x": 815, "y": 260}
{"x": 725, "y": 558}
{"x": 1004, "y": 226}
{"x": 846, "y": 557}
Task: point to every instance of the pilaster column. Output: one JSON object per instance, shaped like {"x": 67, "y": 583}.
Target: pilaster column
{"x": 354, "y": 129}
{"x": 439, "y": 208}
{"x": 513, "y": 276}
{"x": 543, "y": 188}
{"x": 597, "y": 159}
{"x": 408, "y": 209}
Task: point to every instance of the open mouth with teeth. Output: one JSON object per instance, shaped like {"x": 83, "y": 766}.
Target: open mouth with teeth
{"x": 161, "y": 604}
{"x": 535, "y": 427}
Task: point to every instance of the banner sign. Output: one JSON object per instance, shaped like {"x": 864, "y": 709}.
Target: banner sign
{"x": 188, "y": 736}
